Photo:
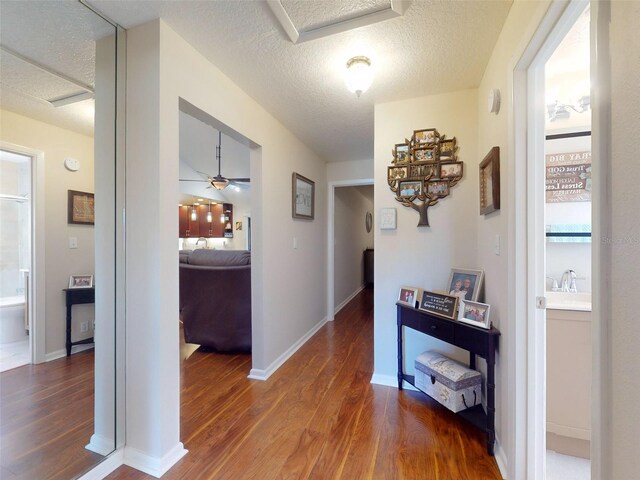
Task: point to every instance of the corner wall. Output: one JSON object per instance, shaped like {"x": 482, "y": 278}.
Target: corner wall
{"x": 421, "y": 256}
{"x": 288, "y": 285}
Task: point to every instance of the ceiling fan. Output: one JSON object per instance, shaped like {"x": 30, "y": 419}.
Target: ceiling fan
{"x": 219, "y": 182}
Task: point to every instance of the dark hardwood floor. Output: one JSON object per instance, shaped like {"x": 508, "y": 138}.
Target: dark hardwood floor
{"x": 46, "y": 419}
{"x": 318, "y": 417}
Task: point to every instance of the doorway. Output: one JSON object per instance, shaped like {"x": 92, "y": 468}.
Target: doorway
{"x": 15, "y": 268}
{"x": 350, "y": 241}
{"x": 534, "y": 110}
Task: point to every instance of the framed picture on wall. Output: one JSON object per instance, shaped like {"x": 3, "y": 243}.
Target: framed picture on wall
{"x": 80, "y": 208}
{"x": 490, "y": 182}
{"x": 303, "y": 197}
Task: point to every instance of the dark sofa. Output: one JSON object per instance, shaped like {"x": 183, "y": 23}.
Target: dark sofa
{"x": 215, "y": 299}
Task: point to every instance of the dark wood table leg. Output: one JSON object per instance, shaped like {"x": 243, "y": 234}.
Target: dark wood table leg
{"x": 68, "y": 342}
{"x": 400, "y": 368}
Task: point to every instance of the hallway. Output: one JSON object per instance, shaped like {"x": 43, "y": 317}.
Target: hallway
{"x": 318, "y": 417}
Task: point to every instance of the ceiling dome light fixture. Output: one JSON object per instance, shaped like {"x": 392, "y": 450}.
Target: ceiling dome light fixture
{"x": 359, "y": 75}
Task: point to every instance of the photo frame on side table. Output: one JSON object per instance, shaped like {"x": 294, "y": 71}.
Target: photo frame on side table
{"x": 409, "y": 296}
{"x": 80, "y": 208}
{"x": 81, "y": 281}
{"x": 490, "y": 182}
{"x": 465, "y": 284}
{"x": 302, "y": 197}
{"x": 475, "y": 313}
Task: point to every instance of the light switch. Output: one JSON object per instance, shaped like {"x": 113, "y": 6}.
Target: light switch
{"x": 73, "y": 242}
{"x": 295, "y": 243}
{"x": 496, "y": 246}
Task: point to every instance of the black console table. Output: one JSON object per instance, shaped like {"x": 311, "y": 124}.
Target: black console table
{"x": 77, "y": 296}
{"x": 478, "y": 341}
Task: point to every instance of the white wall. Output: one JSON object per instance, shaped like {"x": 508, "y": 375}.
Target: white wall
{"x": 60, "y": 261}
{"x": 351, "y": 239}
{"x": 624, "y": 243}
{"x": 496, "y": 130}
{"x": 349, "y": 170}
{"x": 422, "y": 256}
{"x": 284, "y": 310}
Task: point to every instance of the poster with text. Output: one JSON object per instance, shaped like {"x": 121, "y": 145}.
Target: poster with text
{"x": 568, "y": 177}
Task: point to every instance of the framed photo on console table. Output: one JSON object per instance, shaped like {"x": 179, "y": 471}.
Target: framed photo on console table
{"x": 475, "y": 313}
{"x": 465, "y": 284}
{"x": 408, "y": 296}
{"x": 81, "y": 281}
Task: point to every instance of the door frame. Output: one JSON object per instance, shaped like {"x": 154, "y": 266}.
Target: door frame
{"x": 528, "y": 232}
{"x": 37, "y": 306}
{"x": 331, "y": 204}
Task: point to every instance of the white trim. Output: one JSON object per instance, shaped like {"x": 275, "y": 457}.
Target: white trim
{"x": 37, "y": 298}
{"x": 260, "y": 374}
{"x": 100, "y": 445}
{"x": 104, "y": 468}
{"x": 348, "y": 299}
{"x": 387, "y": 380}
{"x": 395, "y": 9}
{"x": 49, "y": 357}
{"x": 153, "y": 466}
{"x": 331, "y": 217}
{"x": 501, "y": 458}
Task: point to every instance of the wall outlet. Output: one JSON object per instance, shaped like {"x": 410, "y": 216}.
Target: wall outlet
{"x": 84, "y": 326}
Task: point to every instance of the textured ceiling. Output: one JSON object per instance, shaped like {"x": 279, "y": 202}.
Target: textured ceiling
{"x": 437, "y": 46}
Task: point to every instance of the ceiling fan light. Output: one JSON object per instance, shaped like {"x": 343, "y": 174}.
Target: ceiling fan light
{"x": 219, "y": 183}
{"x": 359, "y": 75}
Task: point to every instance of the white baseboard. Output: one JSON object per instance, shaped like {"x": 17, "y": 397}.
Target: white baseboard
{"x": 349, "y": 298}
{"x": 501, "y": 458}
{"x": 153, "y": 466}
{"x": 259, "y": 374}
{"x": 63, "y": 352}
{"x": 104, "y": 468}
{"x": 100, "y": 445}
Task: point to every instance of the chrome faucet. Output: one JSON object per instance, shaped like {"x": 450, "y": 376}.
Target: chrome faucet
{"x": 198, "y": 242}
{"x": 569, "y": 282}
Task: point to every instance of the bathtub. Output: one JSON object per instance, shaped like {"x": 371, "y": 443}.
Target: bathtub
{"x": 12, "y": 321}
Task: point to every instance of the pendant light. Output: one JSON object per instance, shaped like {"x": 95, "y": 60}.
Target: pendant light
{"x": 209, "y": 214}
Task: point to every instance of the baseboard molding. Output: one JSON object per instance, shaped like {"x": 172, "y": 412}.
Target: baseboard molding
{"x": 501, "y": 458}
{"x": 104, "y": 468}
{"x": 349, "y": 298}
{"x": 63, "y": 352}
{"x": 259, "y": 374}
{"x": 100, "y": 445}
{"x": 153, "y": 466}
{"x": 390, "y": 381}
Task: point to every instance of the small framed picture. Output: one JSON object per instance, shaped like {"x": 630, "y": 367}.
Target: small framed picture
{"x": 238, "y": 225}
{"x": 81, "y": 281}
{"x": 439, "y": 304}
{"x": 438, "y": 188}
{"x": 465, "y": 284}
{"x": 387, "y": 219}
{"x": 475, "y": 313}
{"x": 401, "y": 153}
{"x": 429, "y": 135}
{"x": 424, "y": 153}
{"x": 408, "y": 296}
{"x": 448, "y": 148}
{"x": 409, "y": 188}
{"x": 303, "y": 197}
{"x": 397, "y": 173}
{"x": 80, "y": 208}
{"x": 490, "y": 182}
{"x": 451, "y": 170}
{"x": 424, "y": 171}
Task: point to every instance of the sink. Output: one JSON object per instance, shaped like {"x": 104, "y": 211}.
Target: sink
{"x": 569, "y": 301}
